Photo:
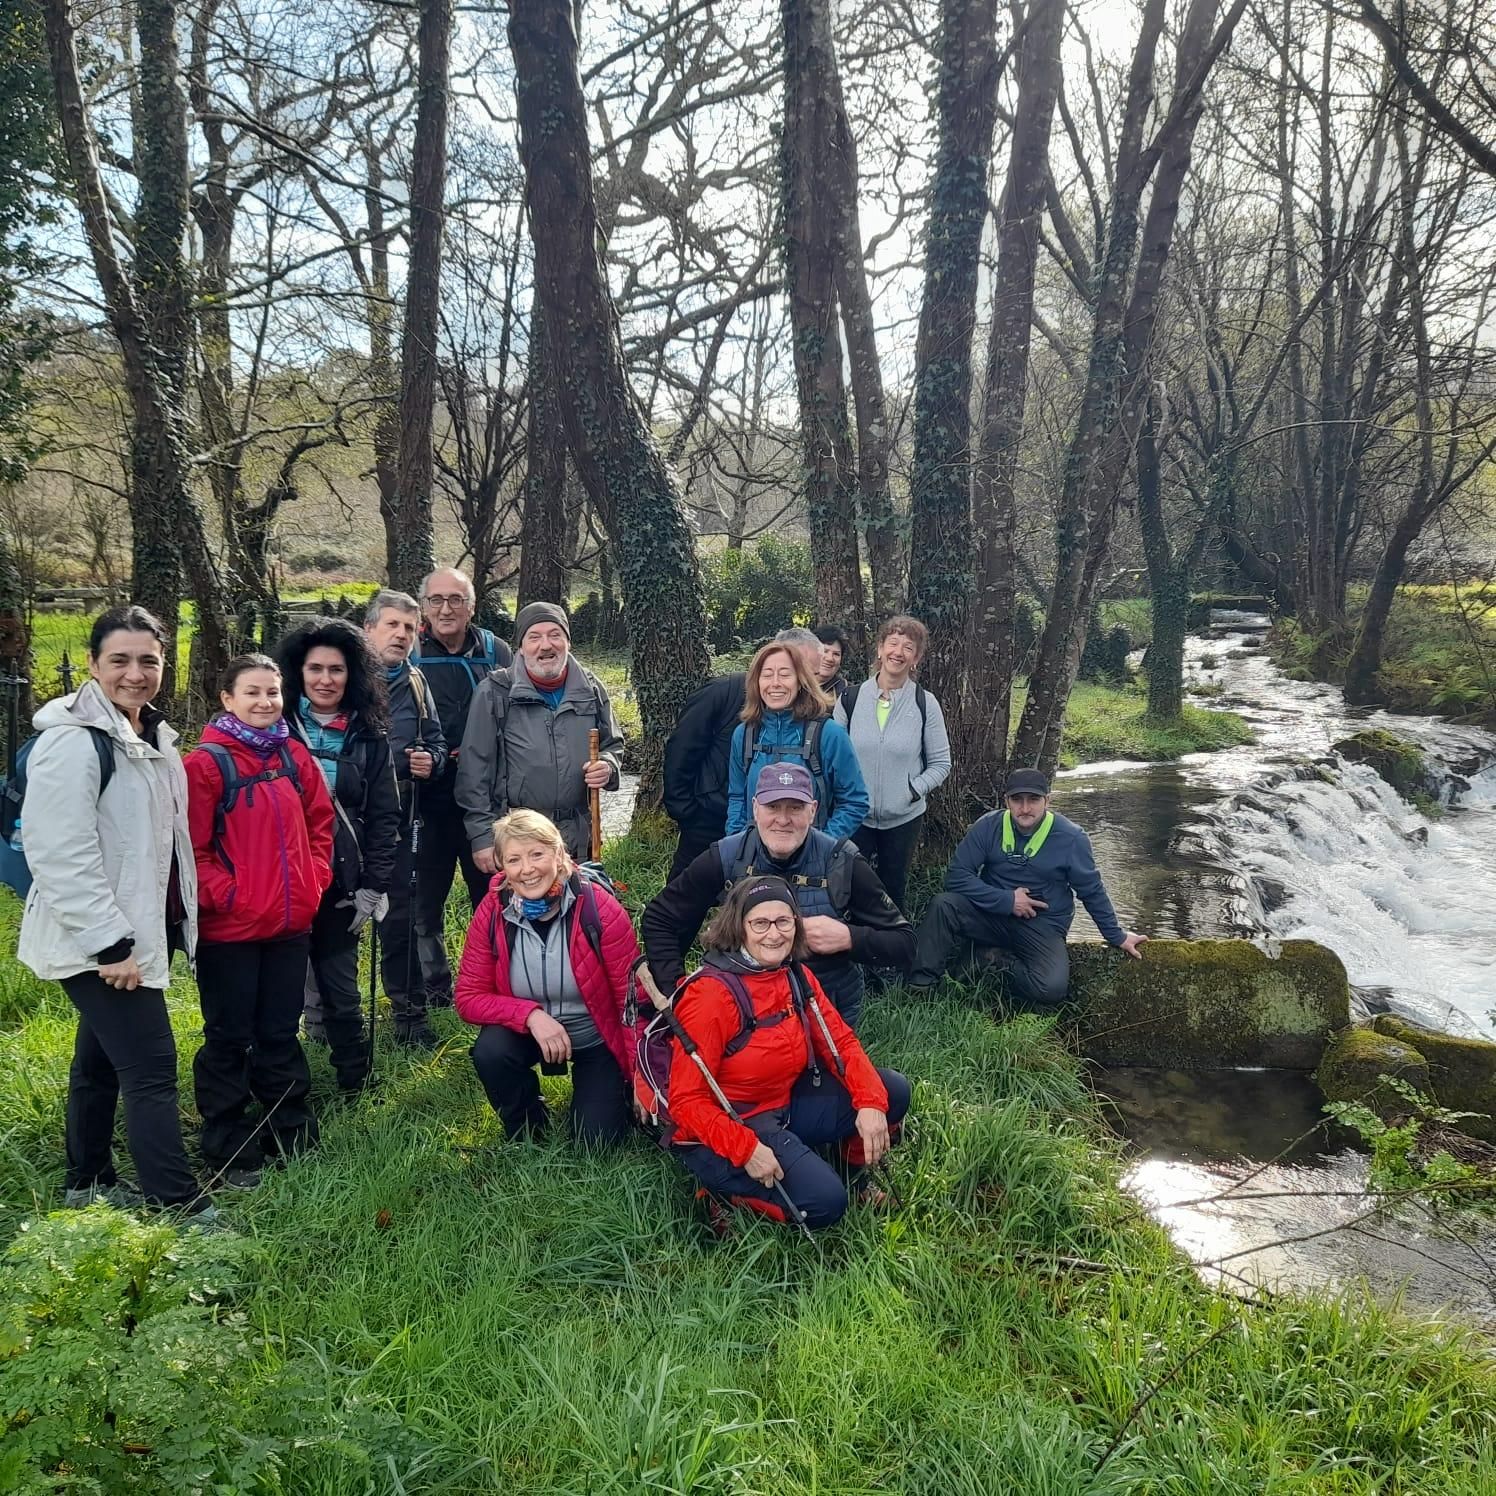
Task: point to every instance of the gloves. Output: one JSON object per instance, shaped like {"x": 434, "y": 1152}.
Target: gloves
{"x": 368, "y": 905}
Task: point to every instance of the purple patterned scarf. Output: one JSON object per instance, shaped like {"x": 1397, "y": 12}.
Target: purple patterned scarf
{"x": 263, "y": 741}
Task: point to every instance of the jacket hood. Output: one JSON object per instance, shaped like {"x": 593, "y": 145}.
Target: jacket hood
{"x": 88, "y": 706}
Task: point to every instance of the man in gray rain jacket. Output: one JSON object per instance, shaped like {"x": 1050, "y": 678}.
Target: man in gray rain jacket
{"x": 526, "y": 743}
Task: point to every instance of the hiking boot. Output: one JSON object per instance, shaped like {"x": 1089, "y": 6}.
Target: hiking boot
{"x": 719, "y": 1217}
{"x": 438, "y": 999}
{"x": 236, "y": 1178}
{"x": 418, "y": 1035}
{"x": 120, "y": 1195}
{"x": 200, "y": 1214}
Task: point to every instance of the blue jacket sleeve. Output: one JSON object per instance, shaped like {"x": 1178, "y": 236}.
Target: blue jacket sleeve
{"x": 965, "y": 874}
{"x": 1085, "y": 879}
{"x": 849, "y": 798}
{"x": 737, "y": 784}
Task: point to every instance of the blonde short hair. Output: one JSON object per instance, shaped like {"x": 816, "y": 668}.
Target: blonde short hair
{"x": 529, "y": 826}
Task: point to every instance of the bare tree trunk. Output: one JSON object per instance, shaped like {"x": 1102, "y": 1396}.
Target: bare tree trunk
{"x": 412, "y": 554}
{"x": 625, "y": 475}
{"x": 981, "y": 744}
{"x": 941, "y": 547}
{"x": 811, "y": 251}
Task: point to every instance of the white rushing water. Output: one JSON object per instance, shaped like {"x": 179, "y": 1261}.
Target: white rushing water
{"x": 1328, "y": 851}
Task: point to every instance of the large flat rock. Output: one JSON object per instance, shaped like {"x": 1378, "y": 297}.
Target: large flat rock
{"x": 1209, "y": 1004}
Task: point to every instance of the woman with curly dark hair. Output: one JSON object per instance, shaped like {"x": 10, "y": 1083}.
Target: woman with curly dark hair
{"x": 342, "y": 716}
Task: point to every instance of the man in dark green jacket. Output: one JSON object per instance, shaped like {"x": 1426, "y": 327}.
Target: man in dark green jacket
{"x": 1012, "y": 885}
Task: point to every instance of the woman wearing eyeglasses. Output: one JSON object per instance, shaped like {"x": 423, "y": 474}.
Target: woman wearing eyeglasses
{"x": 799, "y": 1082}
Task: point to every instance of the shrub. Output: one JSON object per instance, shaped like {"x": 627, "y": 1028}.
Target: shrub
{"x": 755, "y": 592}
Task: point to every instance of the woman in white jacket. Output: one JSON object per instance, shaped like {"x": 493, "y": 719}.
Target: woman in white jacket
{"x": 114, "y": 892}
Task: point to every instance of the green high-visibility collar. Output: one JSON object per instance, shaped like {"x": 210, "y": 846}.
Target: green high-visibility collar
{"x": 1035, "y": 842}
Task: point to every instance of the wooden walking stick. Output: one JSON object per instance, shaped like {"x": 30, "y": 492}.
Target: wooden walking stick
{"x": 595, "y": 797}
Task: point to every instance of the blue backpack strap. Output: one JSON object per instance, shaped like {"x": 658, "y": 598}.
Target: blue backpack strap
{"x": 490, "y": 649}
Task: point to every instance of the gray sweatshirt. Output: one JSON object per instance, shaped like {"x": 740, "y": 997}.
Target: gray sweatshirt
{"x": 899, "y": 777}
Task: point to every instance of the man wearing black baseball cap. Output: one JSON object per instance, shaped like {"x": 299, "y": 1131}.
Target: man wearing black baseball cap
{"x": 849, "y": 919}
{"x": 1012, "y": 885}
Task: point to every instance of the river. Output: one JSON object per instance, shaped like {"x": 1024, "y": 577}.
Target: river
{"x": 1280, "y": 839}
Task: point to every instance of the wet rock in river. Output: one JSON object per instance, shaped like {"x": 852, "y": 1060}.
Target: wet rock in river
{"x": 1398, "y": 761}
{"x": 1462, "y": 1072}
{"x": 1358, "y": 1060}
{"x": 1209, "y": 1004}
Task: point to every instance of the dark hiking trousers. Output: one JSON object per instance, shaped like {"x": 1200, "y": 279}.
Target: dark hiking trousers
{"x": 695, "y": 837}
{"x": 339, "y": 1008}
{"x": 252, "y": 993}
{"x": 890, "y": 851}
{"x": 1038, "y": 975}
{"x": 401, "y": 963}
{"x": 818, "y": 1117}
{"x": 125, "y": 1050}
{"x": 444, "y": 850}
{"x": 506, "y": 1061}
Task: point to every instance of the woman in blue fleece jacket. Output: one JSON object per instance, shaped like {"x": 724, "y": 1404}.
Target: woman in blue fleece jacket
{"x": 785, "y": 717}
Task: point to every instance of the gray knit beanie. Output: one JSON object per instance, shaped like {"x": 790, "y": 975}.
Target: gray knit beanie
{"x": 533, "y": 613}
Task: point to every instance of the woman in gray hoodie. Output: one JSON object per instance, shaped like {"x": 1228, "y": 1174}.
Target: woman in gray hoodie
{"x": 898, "y": 732}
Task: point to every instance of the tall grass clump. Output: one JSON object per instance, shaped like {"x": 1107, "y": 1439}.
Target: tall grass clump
{"x": 423, "y": 1306}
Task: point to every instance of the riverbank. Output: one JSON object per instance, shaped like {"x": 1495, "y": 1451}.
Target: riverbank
{"x": 423, "y": 1306}
{"x": 1440, "y": 654}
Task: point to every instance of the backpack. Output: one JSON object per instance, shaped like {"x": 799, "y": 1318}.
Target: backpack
{"x": 837, "y": 880}
{"x": 15, "y": 871}
{"x": 921, "y": 700}
{"x": 235, "y": 784}
{"x": 489, "y": 659}
{"x": 808, "y": 748}
{"x": 583, "y": 883}
{"x": 654, "y": 1044}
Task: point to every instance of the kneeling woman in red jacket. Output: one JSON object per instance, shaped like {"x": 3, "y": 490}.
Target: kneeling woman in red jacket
{"x": 793, "y": 1089}
{"x": 261, "y": 824}
{"x": 544, "y": 977}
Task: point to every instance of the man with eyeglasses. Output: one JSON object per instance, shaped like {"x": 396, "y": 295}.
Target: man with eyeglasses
{"x": 455, "y": 656}
{"x": 1011, "y": 888}
{"x": 850, "y": 922}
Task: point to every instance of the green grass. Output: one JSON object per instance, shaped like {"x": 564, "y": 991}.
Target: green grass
{"x": 1106, "y": 722}
{"x": 424, "y": 1307}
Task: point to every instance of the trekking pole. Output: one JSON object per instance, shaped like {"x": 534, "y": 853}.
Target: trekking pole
{"x": 688, "y": 1044}
{"x": 415, "y": 849}
{"x": 595, "y": 797}
{"x": 373, "y": 990}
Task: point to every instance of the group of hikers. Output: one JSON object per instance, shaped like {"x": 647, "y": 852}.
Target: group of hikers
{"x": 344, "y": 783}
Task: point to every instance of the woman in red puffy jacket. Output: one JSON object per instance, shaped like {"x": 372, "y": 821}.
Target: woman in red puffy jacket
{"x": 544, "y": 977}
{"x": 794, "y": 1085}
{"x": 261, "y": 824}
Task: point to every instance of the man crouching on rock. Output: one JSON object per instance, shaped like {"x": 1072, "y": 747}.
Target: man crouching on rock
{"x": 1012, "y": 885}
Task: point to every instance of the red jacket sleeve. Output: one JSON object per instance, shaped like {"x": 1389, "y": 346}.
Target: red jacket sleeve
{"x": 864, "y": 1084}
{"x": 709, "y": 1015}
{"x": 477, "y": 997}
{"x": 204, "y": 792}
{"x": 316, "y": 805}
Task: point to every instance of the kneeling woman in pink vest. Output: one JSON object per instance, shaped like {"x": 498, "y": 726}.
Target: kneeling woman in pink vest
{"x": 809, "y": 1110}
{"x": 545, "y": 978}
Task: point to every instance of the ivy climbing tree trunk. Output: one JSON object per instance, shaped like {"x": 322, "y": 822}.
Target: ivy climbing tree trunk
{"x": 981, "y": 744}
{"x": 151, "y": 318}
{"x": 543, "y": 556}
{"x": 811, "y": 251}
{"x": 625, "y": 475}
{"x": 411, "y": 551}
{"x": 941, "y": 548}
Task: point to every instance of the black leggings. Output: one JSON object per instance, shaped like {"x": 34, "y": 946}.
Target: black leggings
{"x": 891, "y": 850}
{"x": 505, "y": 1061}
{"x": 125, "y": 1049}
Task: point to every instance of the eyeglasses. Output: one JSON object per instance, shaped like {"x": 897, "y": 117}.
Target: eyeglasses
{"x": 785, "y": 924}
{"x": 454, "y": 601}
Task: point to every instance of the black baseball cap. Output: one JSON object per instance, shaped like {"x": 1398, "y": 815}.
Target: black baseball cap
{"x": 1026, "y": 782}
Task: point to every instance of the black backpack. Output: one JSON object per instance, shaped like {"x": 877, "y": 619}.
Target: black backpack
{"x": 15, "y": 871}
{"x": 808, "y": 749}
{"x": 921, "y": 700}
{"x": 235, "y": 784}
